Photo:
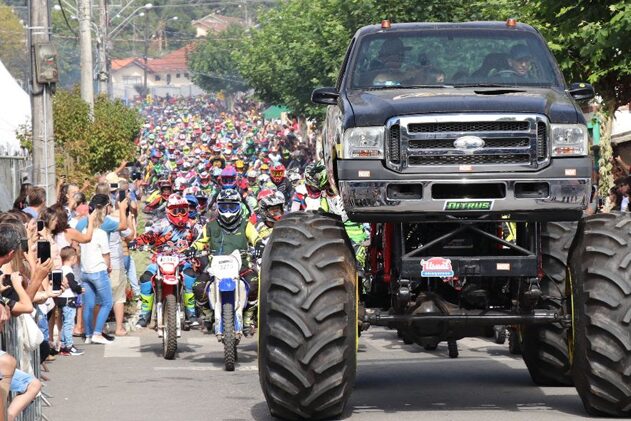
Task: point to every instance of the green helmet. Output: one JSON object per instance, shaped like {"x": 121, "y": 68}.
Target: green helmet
{"x": 315, "y": 175}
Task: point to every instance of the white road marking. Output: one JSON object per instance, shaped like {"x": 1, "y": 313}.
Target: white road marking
{"x": 248, "y": 367}
{"x": 123, "y": 347}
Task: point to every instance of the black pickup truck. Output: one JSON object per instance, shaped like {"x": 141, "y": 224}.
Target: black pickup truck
{"x": 466, "y": 152}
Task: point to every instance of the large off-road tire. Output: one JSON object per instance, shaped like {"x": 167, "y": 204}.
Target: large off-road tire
{"x": 499, "y": 334}
{"x": 308, "y": 318}
{"x": 544, "y": 347}
{"x": 229, "y": 338}
{"x": 600, "y": 268}
{"x": 169, "y": 336}
{"x": 514, "y": 342}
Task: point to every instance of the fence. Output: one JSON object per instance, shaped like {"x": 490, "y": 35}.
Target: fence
{"x": 10, "y": 344}
{"x": 14, "y": 170}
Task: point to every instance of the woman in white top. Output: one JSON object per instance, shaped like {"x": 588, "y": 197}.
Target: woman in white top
{"x": 95, "y": 268}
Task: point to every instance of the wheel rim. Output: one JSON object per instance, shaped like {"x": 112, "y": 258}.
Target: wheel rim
{"x": 571, "y": 332}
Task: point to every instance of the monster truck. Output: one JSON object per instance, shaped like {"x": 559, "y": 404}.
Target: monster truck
{"x": 463, "y": 147}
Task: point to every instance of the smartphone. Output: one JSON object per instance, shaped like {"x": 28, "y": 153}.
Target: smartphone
{"x": 24, "y": 244}
{"x": 40, "y": 225}
{"x": 57, "y": 277}
{"x": 43, "y": 250}
{"x": 6, "y": 280}
{"x": 122, "y": 194}
{"x": 114, "y": 186}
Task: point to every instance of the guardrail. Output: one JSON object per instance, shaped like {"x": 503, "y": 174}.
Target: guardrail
{"x": 11, "y": 345}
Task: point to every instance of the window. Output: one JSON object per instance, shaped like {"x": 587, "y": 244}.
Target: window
{"x": 186, "y": 75}
{"x": 168, "y": 78}
{"x": 452, "y": 57}
{"x": 177, "y": 75}
{"x": 157, "y": 78}
{"x": 132, "y": 80}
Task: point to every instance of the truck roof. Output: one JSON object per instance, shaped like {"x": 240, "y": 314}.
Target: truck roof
{"x": 488, "y": 25}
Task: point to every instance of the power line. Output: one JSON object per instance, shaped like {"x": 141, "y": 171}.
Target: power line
{"x": 63, "y": 12}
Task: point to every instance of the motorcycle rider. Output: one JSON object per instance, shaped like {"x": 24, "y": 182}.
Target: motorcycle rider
{"x": 159, "y": 198}
{"x": 278, "y": 176}
{"x": 270, "y": 210}
{"x": 229, "y": 231}
{"x": 173, "y": 231}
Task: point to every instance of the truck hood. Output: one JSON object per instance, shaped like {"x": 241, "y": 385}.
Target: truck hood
{"x": 375, "y": 107}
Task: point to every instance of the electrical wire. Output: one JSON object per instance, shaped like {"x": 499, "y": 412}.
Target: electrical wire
{"x": 63, "y": 12}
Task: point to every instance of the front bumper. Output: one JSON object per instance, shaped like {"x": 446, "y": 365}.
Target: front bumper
{"x": 373, "y": 193}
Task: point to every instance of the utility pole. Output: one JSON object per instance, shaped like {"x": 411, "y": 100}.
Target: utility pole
{"x": 144, "y": 83}
{"x": 85, "y": 45}
{"x": 103, "y": 75}
{"x": 41, "y": 104}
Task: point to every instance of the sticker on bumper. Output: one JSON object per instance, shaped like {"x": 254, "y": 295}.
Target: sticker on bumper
{"x": 468, "y": 205}
{"x": 436, "y": 267}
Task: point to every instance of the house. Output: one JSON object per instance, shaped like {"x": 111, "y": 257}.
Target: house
{"x": 168, "y": 74}
{"x": 214, "y": 23}
{"x": 621, "y": 132}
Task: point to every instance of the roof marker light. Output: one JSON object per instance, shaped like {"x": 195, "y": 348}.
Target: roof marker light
{"x": 511, "y": 22}
{"x": 385, "y": 24}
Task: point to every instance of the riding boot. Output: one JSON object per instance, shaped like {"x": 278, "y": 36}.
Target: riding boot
{"x": 189, "y": 308}
{"x": 145, "y": 309}
{"x": 249, "y": 326}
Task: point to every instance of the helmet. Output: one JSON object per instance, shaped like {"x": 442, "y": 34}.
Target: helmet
{"x": 202, "y": 200}
{"x": 240, "y": 165}
{"x": 294, "y": 177}
{"x": 263, "y": 179}
{"x": 271, "y": 205}
{"x": 315, "y": 175}
{"x": 177, "y": 210}
{"x": 251, "y": 175}
{"x": 228, "y": 178}
{"x": 204, "y": 179}
{"x": 193, "y": 204}
{"x": 229, "y": 209}
{"x": 165, "y": 188}
{"x": 277, "y": 173}
{"x": 264, "y": 168}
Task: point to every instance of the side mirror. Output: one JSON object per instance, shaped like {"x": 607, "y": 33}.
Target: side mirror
{"x": 326, "y": 96}
{"x": 581, "y": 91}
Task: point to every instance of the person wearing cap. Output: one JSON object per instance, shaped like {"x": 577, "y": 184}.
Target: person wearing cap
{"x": 519, "y": 61}
{"x": 95, "y": 268}
{"x": 623, "y": 186}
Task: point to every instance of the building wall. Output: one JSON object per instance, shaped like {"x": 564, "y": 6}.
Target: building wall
{"x": 124, "y": 80}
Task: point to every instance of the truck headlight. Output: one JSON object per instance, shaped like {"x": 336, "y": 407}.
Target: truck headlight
{"x": 568, "y": 140}
{"x": 363, "y": 143}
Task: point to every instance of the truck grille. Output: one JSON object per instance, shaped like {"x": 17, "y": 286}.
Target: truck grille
{"x": 514, "y": 142}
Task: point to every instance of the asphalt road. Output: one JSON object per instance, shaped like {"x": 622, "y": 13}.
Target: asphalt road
{"x": 128, "y": 380}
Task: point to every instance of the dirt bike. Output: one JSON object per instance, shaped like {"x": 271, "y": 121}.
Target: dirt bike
{"x": 227, "y": 297}
{"x": 168, "y": 286}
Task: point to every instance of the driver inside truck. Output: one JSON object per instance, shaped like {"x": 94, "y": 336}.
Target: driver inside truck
{"x": 520, "y": 61}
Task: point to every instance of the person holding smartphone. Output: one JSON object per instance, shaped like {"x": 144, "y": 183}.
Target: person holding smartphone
{"x": 95, "y": 268}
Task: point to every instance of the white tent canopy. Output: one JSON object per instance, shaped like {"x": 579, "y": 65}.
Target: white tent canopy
{"x": 15, "y": 110}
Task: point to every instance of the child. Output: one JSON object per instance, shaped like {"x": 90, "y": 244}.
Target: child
{"x": 66, "y": 302}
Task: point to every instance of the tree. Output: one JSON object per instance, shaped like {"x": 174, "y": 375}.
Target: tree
{"x": 83, "y": 146}
{"x": 111, "y": 137}
{"x": 301, "y": 44}
{"x": 13, "y": 41}
{"x": 591, "y": 42}
{"x": 213, "y": 63}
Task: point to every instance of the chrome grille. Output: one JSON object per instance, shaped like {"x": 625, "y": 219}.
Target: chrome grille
{"x": 394, "y": 143}
{"x": 512, "y": 142}
{"x": 469, "y": 126}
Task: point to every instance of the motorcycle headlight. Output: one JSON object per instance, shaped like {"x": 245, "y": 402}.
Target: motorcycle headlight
{"x": 568, "y": 140}
{"x": 363, "y": 143}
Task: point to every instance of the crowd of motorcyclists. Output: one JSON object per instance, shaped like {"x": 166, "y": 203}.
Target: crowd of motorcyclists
{"x": 216, "y": 177}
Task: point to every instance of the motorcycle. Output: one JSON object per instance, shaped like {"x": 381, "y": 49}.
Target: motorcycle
{"x": 227, "y": 297}
{"x": 168, "y": 288}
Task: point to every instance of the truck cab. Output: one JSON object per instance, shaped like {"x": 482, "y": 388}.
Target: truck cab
{"x": 436, "y": 120}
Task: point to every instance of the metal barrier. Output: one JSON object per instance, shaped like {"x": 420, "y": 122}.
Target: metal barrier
{"x": 10, "y": 344}
{"x": 14, "y": 170}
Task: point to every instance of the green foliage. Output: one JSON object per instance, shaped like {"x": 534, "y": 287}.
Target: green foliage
{"x": 301, "y": 44}
{"x": 13, "y": 53}
{"x": 213, "y": 63}
{"x": 111, "y": 137}
{"x": 591, "y": 42}
{"x": 83, "y": 146}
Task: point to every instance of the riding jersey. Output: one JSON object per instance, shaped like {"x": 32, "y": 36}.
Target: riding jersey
{"x": 163, "y": 233}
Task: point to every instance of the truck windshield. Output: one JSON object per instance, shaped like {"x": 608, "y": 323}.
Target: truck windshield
{"x": 454, "y": 57}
